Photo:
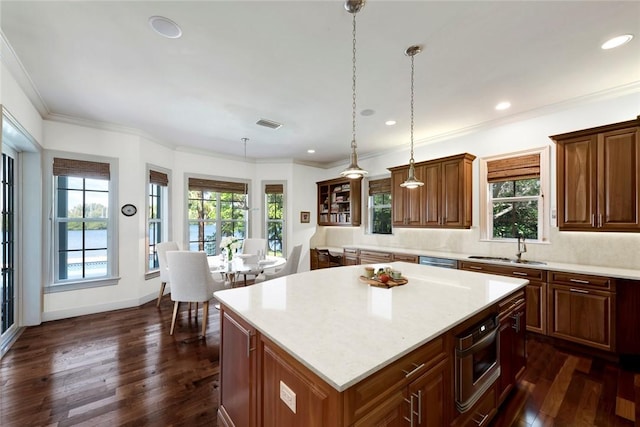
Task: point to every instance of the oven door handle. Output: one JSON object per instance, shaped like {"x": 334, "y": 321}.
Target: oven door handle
{"x": 483, "y": 343}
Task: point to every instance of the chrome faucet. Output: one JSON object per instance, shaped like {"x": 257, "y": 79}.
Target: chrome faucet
{"x": 522, "y": 247}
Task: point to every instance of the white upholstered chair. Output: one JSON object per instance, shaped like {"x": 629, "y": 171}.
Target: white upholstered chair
{"x": 191, "y": 281}
{"x": 162, "y": 249}
{"x": 290, "y": 267}
{"x": 254, "y": 246}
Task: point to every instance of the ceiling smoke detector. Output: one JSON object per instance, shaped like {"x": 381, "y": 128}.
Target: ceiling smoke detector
{"x": 269, "y": 124}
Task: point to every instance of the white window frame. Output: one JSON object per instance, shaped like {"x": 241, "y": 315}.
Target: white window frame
{"x": 53, "y": 285}
{"x": 164, "y": 217}
{"x": 544, "y": 202}
{"x": 370, "y": 209}
{"x": 266, "y": 220}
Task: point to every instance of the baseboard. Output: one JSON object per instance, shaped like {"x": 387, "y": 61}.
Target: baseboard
{"x": 98, "y": 308}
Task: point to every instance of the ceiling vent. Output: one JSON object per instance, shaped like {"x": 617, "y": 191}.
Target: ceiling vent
{"x": 269, "y": 124}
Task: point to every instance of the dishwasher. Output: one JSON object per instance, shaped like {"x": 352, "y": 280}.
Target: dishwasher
{"x": 438, "y": 262}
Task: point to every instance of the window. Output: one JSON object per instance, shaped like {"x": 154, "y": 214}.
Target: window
{"x": 215, "y": 206}
{"x": 274, "y": 213}
{"x": 380, "y": 206}
{"x": 515, "y": 188}
{"x": 83, "y": 225}
{"x": 157, "y": 213}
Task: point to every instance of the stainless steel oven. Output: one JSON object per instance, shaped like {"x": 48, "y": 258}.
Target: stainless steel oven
{"x": 477, "y": 362}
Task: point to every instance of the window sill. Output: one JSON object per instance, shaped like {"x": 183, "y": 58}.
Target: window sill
{"x": 514, "y": 241}
{"x": 86, "y": 284}
{"x": 151, "y": 274}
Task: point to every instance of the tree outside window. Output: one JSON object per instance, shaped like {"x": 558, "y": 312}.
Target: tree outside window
{"x": 380, "y": 206}
{"x": 274, "y": 212}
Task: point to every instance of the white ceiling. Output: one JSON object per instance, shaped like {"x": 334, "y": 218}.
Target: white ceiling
{"x": 290, "y": 61}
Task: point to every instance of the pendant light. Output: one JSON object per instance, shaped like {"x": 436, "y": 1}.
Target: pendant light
{"x": 412, "y": 181}
{"x": 245, "y": 203}
{"x": 353, "y": 171}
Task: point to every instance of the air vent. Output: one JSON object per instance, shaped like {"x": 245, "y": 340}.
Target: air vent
{"x": 269, "y": 124}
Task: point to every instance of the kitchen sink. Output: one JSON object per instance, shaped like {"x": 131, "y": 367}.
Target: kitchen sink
{"x": 510, "y": 260}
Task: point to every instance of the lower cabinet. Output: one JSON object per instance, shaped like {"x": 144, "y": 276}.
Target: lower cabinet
{"x": 237, "y": 372}
{"x": 513, "y": 345}
{"x": 375, "y": 257}
{"x": 481, "y": 413}
{"x": 581, "y": 309}
{"x": 350, "y": 256}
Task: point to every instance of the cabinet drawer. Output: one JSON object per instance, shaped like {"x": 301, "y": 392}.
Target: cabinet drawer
{"x": 406, "y": 258}
{"x": 370, "y": 392}
{"x": 507, "y": 304}
{"x": 376, "y": 256}
{"x": 573, "y": 279}
{"x": 505, "y": 270}
{"x": 350, "y": 251}
{"x": 481, "y": 413}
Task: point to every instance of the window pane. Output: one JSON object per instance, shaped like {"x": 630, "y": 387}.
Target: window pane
{"x": 195, "y": 209}
{"x": 96, "y": 204}
{"x": 70, "y": 204}
{"x": 502, "y": 189}
{"x": 70, "y": 236}
{"x": 210, "y": 238}
{"x": 96, "y": 185}
{"x": 528, "y": 187}
{"x": 95, "y": 235}
{"x": 513, "y": 218}
{"x": 70, "y": 182}
{"x": 381, "y": 221}
{"x": 96, "y": 263}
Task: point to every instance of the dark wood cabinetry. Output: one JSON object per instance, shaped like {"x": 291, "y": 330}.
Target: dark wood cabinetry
{"x": 513, "y": 358}
{"x": 598, "y": 178}
{"x": 581, "y": 309}
{"x": 536, "y": 290}
{"x": 339, "y": 202}
{"x": 445, "y": 199}
{"x": 238, "y": 373}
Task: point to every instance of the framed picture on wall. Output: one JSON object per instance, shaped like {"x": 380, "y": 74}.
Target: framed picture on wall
{"x": 305, "y": 216}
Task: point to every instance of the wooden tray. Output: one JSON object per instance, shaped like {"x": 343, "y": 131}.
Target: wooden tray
{"x": 390, "y": 284}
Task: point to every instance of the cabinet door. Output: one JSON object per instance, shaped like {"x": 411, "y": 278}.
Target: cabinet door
{"x": 618, "y": 180}
{"x": 390, "y": 413}
{"x": 237, "y": 371}
{"x": 582, "y": 315}
{"x": 507, "y": 341}
{"x": 433, "y": 195}
{"x": 577, "y": 183}
{"x": 406, "y": 203}
{"x": 452, "y": 194}
{"x": 537, "y": 307}
{"x": 429, "y": 393}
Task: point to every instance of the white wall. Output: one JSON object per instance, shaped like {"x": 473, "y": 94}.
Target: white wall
{"x": 606, "y": 249}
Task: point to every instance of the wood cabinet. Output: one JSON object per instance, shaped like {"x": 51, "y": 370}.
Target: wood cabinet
{"x": 238, "y": 374}
{"x": 444, "y": 201}
{"x": 598, "y": 178}
{"x": 375, "y": 257}
{"x": 536, "y": 290}
{"x": 339, "y": 202}
{"x": 350, "y": 256}
{"x": 513, "y": 356}
{"x": 481, "y": 414}
{"x": 581, "y": 309}
{"x": 414, "y": 259}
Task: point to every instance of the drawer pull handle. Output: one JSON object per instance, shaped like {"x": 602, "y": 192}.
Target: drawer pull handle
{"x": 584, "y": 282}
{"x": 519, "y": 273}
{"x": 580, "y": 291}
{"x": 416, "y": 368}
{"x": 482, "y": 420}
{"x": 475, "y": 268}
{"x": 411, "y": 412}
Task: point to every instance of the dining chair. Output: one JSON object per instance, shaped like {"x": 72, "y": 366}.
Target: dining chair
{"x": 191, "y": 281}
{"x": 254, "y": 246}
{"x": 162, "y": 249}
{"x": 290, "y": 267}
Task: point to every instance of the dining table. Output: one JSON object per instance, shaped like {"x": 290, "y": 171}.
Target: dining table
{"x": 243, "y": 264}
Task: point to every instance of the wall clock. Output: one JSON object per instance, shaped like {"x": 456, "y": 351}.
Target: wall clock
{"x": 129, "y": 210}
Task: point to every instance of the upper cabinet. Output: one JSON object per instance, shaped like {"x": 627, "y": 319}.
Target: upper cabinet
{"x": 339, "y": 202}
{"x": 445, "y": 199}
{"x": 598, "y": 178}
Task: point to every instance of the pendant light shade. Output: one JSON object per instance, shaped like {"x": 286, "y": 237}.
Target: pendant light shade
{"x": 412, "y": 181}
{"x": 353, "y": 171}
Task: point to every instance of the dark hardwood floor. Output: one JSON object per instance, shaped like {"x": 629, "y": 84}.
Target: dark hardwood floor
{"x": 122, "y": 368}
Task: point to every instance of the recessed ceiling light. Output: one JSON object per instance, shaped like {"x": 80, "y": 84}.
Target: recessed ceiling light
{"x": 311, "y": 151}
{"x": 165, "y": 27}
{"x": 390, "y": 122}
{"x": 503, "y": 105}
{"x": 616, "y": 41}
{"x": 367, "y": 112}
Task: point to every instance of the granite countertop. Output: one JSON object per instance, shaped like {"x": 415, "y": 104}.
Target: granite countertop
{"x": 614, "y": 272}
{"x": 345, "y": 330}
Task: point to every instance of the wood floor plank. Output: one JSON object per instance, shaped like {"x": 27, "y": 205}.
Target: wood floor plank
{"x": 559, "y": 387}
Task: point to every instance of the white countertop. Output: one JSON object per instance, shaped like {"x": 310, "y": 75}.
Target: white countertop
{"x": 615, "y": 272}
{"x": 344, "y": 330}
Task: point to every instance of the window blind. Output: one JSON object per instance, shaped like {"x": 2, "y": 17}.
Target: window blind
{"x": 379, "y": 186}
{"x": 159, "y": 178}
{"x": 274, "y": 189}
{"x": 513, "y": 168}
{"x": 198, "y": 184}
{"x": 80, "y": 168}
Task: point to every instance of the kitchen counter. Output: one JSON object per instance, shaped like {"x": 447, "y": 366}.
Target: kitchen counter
{"x": 614, "y": 272}
{"x": 343, "y": 330}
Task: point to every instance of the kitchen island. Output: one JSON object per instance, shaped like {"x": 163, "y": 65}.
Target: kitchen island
{"x": 323, "y": 348}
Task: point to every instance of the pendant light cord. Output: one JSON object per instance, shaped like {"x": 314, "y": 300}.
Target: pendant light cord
{"x": 412, "y": 161}
{"x": 353, "y": 87}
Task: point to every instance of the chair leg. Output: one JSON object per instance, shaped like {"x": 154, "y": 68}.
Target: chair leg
{"x": 175, "y": 314}
{"x": 162, "y": 285}
{"x": 196, "y": 313}
{"x": 205, "y": 316}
